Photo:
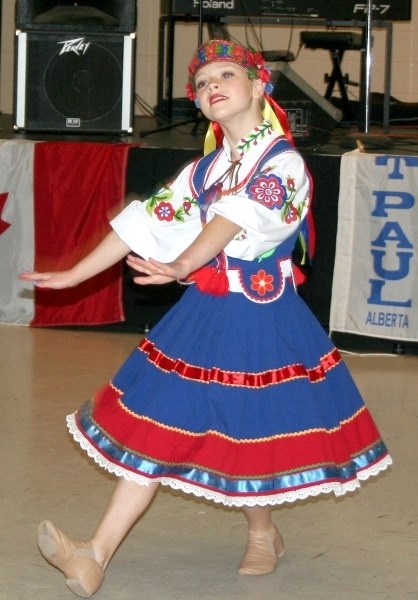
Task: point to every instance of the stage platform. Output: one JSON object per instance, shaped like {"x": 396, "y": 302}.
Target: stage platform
{"x": 187, "y": 134}
{"x": 157, "y": 153}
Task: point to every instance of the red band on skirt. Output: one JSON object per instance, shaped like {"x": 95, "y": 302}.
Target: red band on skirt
{"x": 235, "y": 378}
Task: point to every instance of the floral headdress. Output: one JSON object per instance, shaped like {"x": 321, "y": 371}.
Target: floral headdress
{"x": 253, "y": 62}
{"x": 228, "y": 51}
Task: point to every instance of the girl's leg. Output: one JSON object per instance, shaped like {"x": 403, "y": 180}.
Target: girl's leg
{"x": 83, "y": 563}
{"x": 127, "y": 503}
{"x": 259, "y": 518}
{"x": 264, "y": 544}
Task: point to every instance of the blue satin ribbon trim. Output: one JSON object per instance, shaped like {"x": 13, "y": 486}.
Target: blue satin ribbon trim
{"x": 136, "y": 463}
{"x": 206, "y": 479}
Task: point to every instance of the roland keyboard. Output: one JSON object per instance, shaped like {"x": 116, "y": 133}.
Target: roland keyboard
{"x": 341, "y": 10}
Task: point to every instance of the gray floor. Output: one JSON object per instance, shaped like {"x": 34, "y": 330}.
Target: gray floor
{"x": 362, "y": 547}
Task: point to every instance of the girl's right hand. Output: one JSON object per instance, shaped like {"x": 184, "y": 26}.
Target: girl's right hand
{"x": 56, "y": 280}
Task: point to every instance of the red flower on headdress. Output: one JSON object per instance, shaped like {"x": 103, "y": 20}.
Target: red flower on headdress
{"x": 223, "y": 50}
{"x": 239, "y": 54}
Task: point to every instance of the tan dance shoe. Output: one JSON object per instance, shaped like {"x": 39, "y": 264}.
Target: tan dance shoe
{"x": 262, "y": 552}
{"x": 75, "y": 559}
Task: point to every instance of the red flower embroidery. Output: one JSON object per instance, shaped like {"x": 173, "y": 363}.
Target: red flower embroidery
{"x": 164, "y": 211}
{"x": 268, "y": 190}
{"x": 187, "y": 205}
{"x": 292, "y": 215}
{"x": 262, "y": 283}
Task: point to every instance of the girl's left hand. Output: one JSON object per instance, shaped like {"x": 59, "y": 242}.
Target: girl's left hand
{"x": 154, "y": 272}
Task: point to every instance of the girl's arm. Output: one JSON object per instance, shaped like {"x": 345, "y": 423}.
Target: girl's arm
{"x": 108, "y": 252}
{"x": 210, "y": 242}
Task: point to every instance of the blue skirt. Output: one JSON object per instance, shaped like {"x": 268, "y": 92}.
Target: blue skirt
{"x": 241, "y": 402}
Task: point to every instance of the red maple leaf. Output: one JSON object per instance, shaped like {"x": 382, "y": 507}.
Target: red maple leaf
{"x": 3, "y": 224}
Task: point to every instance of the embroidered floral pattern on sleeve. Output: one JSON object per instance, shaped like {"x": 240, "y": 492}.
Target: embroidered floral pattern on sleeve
{"x": 274, "y": 193}
{"x": 268, "y": 190}
{"x": 159, "y": 205}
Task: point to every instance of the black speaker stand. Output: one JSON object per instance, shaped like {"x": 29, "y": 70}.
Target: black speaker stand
{"x": 365, "y": 140}
{"x": 198, "y": 119}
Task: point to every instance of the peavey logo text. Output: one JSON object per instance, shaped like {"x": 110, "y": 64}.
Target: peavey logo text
{"x": 79, "y": 46}
{"x": 228, "y": 4}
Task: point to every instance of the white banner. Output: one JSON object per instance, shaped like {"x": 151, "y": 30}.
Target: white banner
{"x": 16, "y": 230}
{"x": 375, "y": 283}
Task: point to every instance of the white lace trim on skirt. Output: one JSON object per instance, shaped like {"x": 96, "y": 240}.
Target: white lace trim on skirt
{"x": 339, "y": 489}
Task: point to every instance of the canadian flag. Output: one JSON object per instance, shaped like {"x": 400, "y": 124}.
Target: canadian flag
{"x": 56, "y": 200}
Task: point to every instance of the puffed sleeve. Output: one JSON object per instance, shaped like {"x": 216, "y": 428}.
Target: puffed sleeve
{"x": 269, "y": 209}
{"x": 163, "y": 225}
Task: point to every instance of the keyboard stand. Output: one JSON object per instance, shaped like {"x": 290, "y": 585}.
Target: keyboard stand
{"x": 336, "y": 42}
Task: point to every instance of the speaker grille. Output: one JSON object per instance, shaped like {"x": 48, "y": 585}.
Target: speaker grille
{"x": 67, "y": 82}
{"x": 92, "y": 83}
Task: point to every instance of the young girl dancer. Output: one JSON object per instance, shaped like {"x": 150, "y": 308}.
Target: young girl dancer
{"x": 237, "y": 395}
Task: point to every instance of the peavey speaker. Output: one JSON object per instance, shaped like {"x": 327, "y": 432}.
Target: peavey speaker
{"x": 312, "y": 118}
{"x": 111, "y": 16}
{"x": 74, "y": 83}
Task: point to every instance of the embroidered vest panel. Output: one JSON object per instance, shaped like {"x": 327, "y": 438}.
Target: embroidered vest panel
{"x": 260, "y": 281}
{"x": 263, "y": 281}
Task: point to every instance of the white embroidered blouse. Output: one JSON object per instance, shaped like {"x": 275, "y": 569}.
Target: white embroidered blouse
{"x": 268, "y": 205}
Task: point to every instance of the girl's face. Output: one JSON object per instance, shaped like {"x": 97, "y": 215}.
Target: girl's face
{"x": 224, "y": 91}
